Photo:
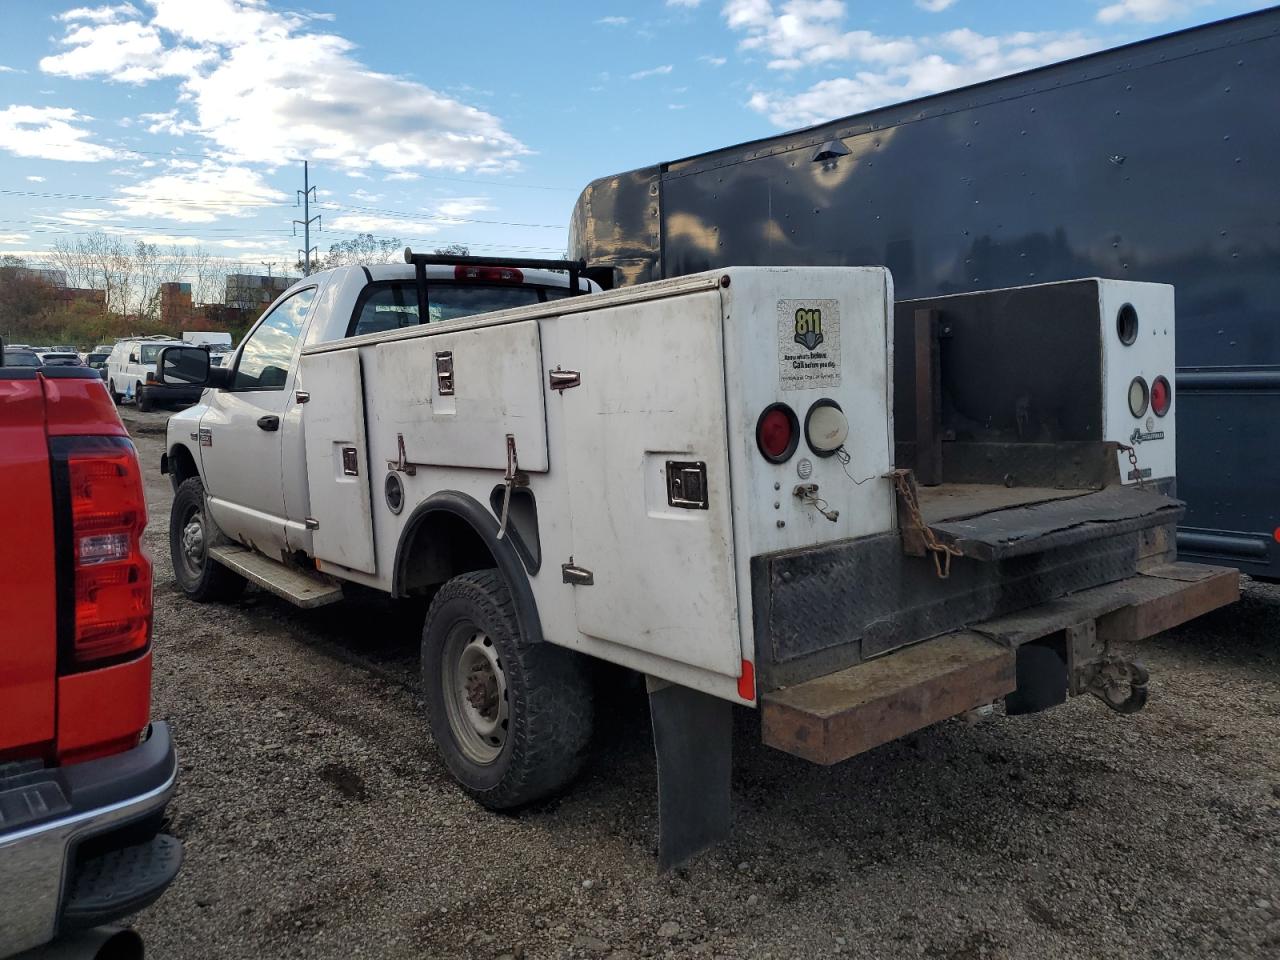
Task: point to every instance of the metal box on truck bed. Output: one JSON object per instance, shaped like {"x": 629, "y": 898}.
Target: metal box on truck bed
{"x": 1154, "y": 161}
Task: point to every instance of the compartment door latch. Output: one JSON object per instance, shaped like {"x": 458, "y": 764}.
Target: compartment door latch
{"x": 687, "y": 484}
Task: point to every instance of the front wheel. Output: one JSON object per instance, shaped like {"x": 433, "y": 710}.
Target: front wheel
{"x": 191, "y": 533}
{"x": 115, "y": 394}
{"x": 511, "y": 719}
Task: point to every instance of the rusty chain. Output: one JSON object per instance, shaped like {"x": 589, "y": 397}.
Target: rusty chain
{"x": 1133, "y": 462}
{"x": 941, "y": 552}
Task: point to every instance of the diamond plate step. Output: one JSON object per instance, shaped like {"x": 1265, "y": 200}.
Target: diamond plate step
{"x": 296, "y": 586}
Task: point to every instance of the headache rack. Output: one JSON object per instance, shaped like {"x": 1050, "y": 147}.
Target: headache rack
{"x": 420, "y": 261}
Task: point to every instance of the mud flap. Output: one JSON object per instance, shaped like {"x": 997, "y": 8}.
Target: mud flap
{"x": 1042, "y": 680}
{"x": 693, "y": 740}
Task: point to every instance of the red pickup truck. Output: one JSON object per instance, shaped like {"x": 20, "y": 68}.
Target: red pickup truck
{"x": 84, "y": 775}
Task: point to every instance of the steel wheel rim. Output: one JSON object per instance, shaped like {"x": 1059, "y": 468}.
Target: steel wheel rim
{"x": 475, "y": 693}
{"x": 192, "y": 542}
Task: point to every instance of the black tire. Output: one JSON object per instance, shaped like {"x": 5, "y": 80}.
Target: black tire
{"x": 145, "y": 402}
{"x": 116, "y": 396}
{"x": 200, "y": 578}
{"x": 547, "y": 696}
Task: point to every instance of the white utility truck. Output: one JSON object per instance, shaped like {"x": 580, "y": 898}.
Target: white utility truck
{"x": 699, "y": 479}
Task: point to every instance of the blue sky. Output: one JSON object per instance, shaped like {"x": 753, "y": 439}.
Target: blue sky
{"x": 185, "y": 121}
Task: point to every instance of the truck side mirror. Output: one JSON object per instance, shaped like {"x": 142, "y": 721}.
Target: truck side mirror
{"x": 183, "y": 366}
{"x": 133, "y": 358}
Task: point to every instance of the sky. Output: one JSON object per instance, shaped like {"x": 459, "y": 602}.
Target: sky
{"x": 186, "y": 122}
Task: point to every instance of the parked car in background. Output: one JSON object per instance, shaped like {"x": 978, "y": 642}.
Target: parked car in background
{"x": 84, "y": 774}
{"x": 17, "y": 357}
{"x": 97, "y": 358}
{"x": 56, "y": 358}
{"x": 131, "y": 374}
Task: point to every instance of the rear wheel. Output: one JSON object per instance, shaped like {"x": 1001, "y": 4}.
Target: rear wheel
{"x": 191, "y": 533}
{"x": 143, "y": 396}
{"x": 115, "y": 394}
{"x": 511, "y": 719}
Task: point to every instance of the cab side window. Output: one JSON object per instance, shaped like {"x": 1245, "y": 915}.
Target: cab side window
{"x": 264, "y": 359}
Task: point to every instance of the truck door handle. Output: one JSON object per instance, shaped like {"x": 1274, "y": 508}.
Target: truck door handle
{"x": 269, "y": 423}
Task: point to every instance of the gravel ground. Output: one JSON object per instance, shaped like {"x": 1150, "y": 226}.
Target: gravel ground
{"x": 319, "y": 823}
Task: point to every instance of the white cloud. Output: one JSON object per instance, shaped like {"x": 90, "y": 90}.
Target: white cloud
{"x": 260, "y": 83}
{"x": 653, "y": 72}
{"x": 200, "y": 196}
{"x": 364, "y": 196}
{"x": 35, "y": 179}
{"x": 689, "y": 4}
{"x": 48, "y": 133}
{"x": 127, "y": 51}
{"x": 1145, "y": 11}
{"x": 934, "y": 6}
{"x": 372, "y": 223}
{"x": 463, "y": 206}
{"x": 105, "y": 14}
{"x": 804, "y": 32}
{"x": 12, "y": 238}
{"x": 4, "y": 69}
{"x": 714, "y": 61}
{"x": 402, "y": 175}
{"x": 614, "y": 21}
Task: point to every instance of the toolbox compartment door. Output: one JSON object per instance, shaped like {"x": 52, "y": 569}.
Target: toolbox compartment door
{"x": 651, "y": 397}
{"x": 338, "y": 460}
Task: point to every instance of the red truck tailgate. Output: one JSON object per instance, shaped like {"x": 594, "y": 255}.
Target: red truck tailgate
{"x": 28, "y": 604}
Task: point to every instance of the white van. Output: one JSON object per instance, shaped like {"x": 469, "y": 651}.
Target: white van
{"x": 131, "y": 369}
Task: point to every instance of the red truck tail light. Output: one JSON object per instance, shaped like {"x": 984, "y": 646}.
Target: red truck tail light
{"x": 777, "y": 433}
{"x": 1161, "y": 396}
{"x": 104, "y": 573}
{"x": 492, "y": 274}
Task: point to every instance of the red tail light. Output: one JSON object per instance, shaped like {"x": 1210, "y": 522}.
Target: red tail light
{"x": 489, "y": 274}
{"x": 1161, "y": 396}
{"x": 777, "y": 433}
{"x": 104, "y": 571}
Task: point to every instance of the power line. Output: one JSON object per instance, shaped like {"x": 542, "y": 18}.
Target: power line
{"x": 444, "y": 217}
{"x": 118, "y": 201}
{"x": 231, "y": 159}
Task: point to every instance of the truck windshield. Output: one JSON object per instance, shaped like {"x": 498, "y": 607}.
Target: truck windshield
{"x": 388, "y": 306}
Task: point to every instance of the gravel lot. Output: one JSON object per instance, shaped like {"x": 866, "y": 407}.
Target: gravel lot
{"x": 318, "y": 821}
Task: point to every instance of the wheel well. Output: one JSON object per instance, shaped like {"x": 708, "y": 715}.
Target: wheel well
{"x": 451, "y": 533}
{"x": 440, "y": 546}
{"x": 182, "y": 465}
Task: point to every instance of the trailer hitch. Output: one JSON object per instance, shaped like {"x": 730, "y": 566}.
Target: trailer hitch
{"x": 1120, "y": 684}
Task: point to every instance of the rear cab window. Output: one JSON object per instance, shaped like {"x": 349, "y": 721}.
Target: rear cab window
{"x": 393, "y": 304}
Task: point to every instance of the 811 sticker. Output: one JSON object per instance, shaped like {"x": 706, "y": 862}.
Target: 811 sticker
{"x": 808, "y": 343}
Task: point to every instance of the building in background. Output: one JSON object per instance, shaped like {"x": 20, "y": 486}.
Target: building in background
{"x": 176, "y": 305}
{"x": 248, "y": 291}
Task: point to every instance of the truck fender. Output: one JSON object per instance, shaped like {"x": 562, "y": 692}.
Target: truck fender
{"x": 460, "y": 506}
{"x": 179, "y": 464}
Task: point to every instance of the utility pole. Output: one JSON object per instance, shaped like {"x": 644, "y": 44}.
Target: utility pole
{"x": 305, "y": 196}
{"x": 268, "y": 264}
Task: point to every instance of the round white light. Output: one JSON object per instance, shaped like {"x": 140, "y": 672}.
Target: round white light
{"x": 827, "y": 428}
{"x": 1138, "y": 396}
